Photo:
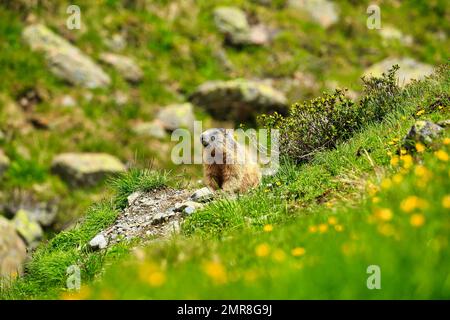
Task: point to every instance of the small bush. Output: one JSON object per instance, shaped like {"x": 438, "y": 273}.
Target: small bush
{"x": 322, "y": 122}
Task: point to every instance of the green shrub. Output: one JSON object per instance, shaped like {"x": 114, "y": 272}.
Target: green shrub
{"x": 322, "y": 122}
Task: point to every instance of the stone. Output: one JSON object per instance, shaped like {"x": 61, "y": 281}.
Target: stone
{"x": 177, "y": 116}
{"x": 133, "y": 197}
{"x": 233, "y": 23}
{"x": 4, "y": 163}
{"x": 68, "y": 101}
{"x": 42, "y": 214}
{"x": 154, "y": 129}
{"x": 99, "y": 242}
{"x": 126, "y": 66}
{"x": 238, "y": 100}
{"x": 324, "y": 12}
{"x": 390, "y": 33}
{"x": 202, "y": 195}
{"x": 116, "y": 43}
{"x": 28, "y": 229}
{"x": 13, "y": 251}
{"x": 64, "y": 59}
{"x": 444, "y": 123}
{"x": 192, "y": 205}
{"x": 422, "y": 131}
{"x": 409, "y": 69}
{"x": 85, "y": 169}
{"x": 120, "y": 98}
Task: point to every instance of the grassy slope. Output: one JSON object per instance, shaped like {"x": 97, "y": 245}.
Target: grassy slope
{"x": 176, "y": 56}
{"x": 309, "y": 232}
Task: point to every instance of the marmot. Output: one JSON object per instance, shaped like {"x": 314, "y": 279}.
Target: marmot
{"x": 224, "y": 164}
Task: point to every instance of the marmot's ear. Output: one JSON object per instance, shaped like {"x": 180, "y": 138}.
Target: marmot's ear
{"x": 223, "y": 131}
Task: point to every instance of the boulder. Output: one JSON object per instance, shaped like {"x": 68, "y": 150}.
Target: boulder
{"x": 28, "y": 229}
{"x": 41, "y": 213}
{"x": 409, "y": 69}
{"x": 99, "y": 242}
{"x": 12, "y": 250}
{"x": 177, "y": 116}
{"x": 202, "y": 195}
{"x": 85, "y": 169}
{"x": 238, "y": 100}
{"x": 324, "y": 12}
{"x": 154, "y": 129}
{"x": 126, "y": 67}
{"x": 233, "y": 23}
{"x": 422, "y": 131}
{"x": 64, "y": 59}
{"x": 4, "y": 162}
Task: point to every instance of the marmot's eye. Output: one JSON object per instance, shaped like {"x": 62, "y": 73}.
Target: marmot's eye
{"x": 213, "y": 138}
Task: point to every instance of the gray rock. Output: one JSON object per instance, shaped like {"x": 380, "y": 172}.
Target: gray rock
{"x": 68, "y": 101}
{"x": 133, "y": 197}
{"x": 422, "y": 131}
{"x": 188, "y": 206}
{"x": 28, "y": 229}
{"x": 12, "y": 251}
{"x": 177, "y": 116}
{"x": 4, "y": 162}
{"x": 444, "y": 123}
{"x": 154, "y": 129}
{"x": 99, "y": 242}
{"x": 238, "y": 100}
{"x": 65, "y": 60}
{"x": 127, "y": 68}
{"x": 324, "y": 12}
{"x": 116, "y": 43}
{"x": 233, "y": 23}
{"x": 85, "y": 169}
{"x": 202, "y": 195}
{"x": 409, "y": 69}
{"x": 42, "y": 214}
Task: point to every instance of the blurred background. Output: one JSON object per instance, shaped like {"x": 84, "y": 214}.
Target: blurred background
{"x": 92, "y": 89}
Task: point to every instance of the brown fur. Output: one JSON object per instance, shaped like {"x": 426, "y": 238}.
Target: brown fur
{"x": 232, "y": 176}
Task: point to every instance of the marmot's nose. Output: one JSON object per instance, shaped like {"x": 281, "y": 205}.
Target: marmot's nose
{"x": 204, "y": 141}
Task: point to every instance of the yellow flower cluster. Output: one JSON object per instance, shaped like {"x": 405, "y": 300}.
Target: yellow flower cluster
{"x": 216, "y": 271}
{"x": 412, "y": 203}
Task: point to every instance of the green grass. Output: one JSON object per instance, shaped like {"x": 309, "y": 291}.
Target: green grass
{"x": 46, "y": 273}
{"x": 310, "y": 231}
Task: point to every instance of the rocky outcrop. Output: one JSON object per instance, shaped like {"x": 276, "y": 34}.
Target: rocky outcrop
{"x": 233, "y": 23}
{"x": 409, "y": 69}
{"x": 177, "y": 116}
{"x": 12, "y": 250}
{"x": 422, "y": 131}
{"x": 238, "y": 100}
{"x": 126, "y": 67}
{"x": 324, "y": 12}
{"x": 85, "y": 169}
{"x": 65, "y": 60}
{"x": 4, "y": 162}
{"x": 154, "y": 129}
{"x": 28, "y": 229}
{"x": 153, "y": 214}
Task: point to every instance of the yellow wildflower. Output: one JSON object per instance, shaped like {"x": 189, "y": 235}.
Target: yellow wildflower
{"x": 339, "y": 228}
{"x": 411, "y": 203}
{"x": 332, "y": 220}
{"x": 441, "y": 155}
{"x": 386, "y": 183}
{"x": 323, "y": 228}
{"x": 216, "y": 271}
{"x": 262, "y": 250}
{"x": 268, "y": 228}
{"x": 394, "y": 161}
{"x": 446, "y": 201}
{"x": 376, "y": 200}
{"x": 417, "y": 220}
{"x": 446, "y": 141}
{"x": 312, "y": 229}
{"x": 407, "y": 161}
{"x": 420, "y": 147}
{"x": 384, "y": 214}
{"x": 420, "y": 112}
{"x": 397, "y": 178}
{"x": 298, "y": 251}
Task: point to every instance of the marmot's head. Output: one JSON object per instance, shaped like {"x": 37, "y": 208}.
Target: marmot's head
{"x": 213, "y": 138}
